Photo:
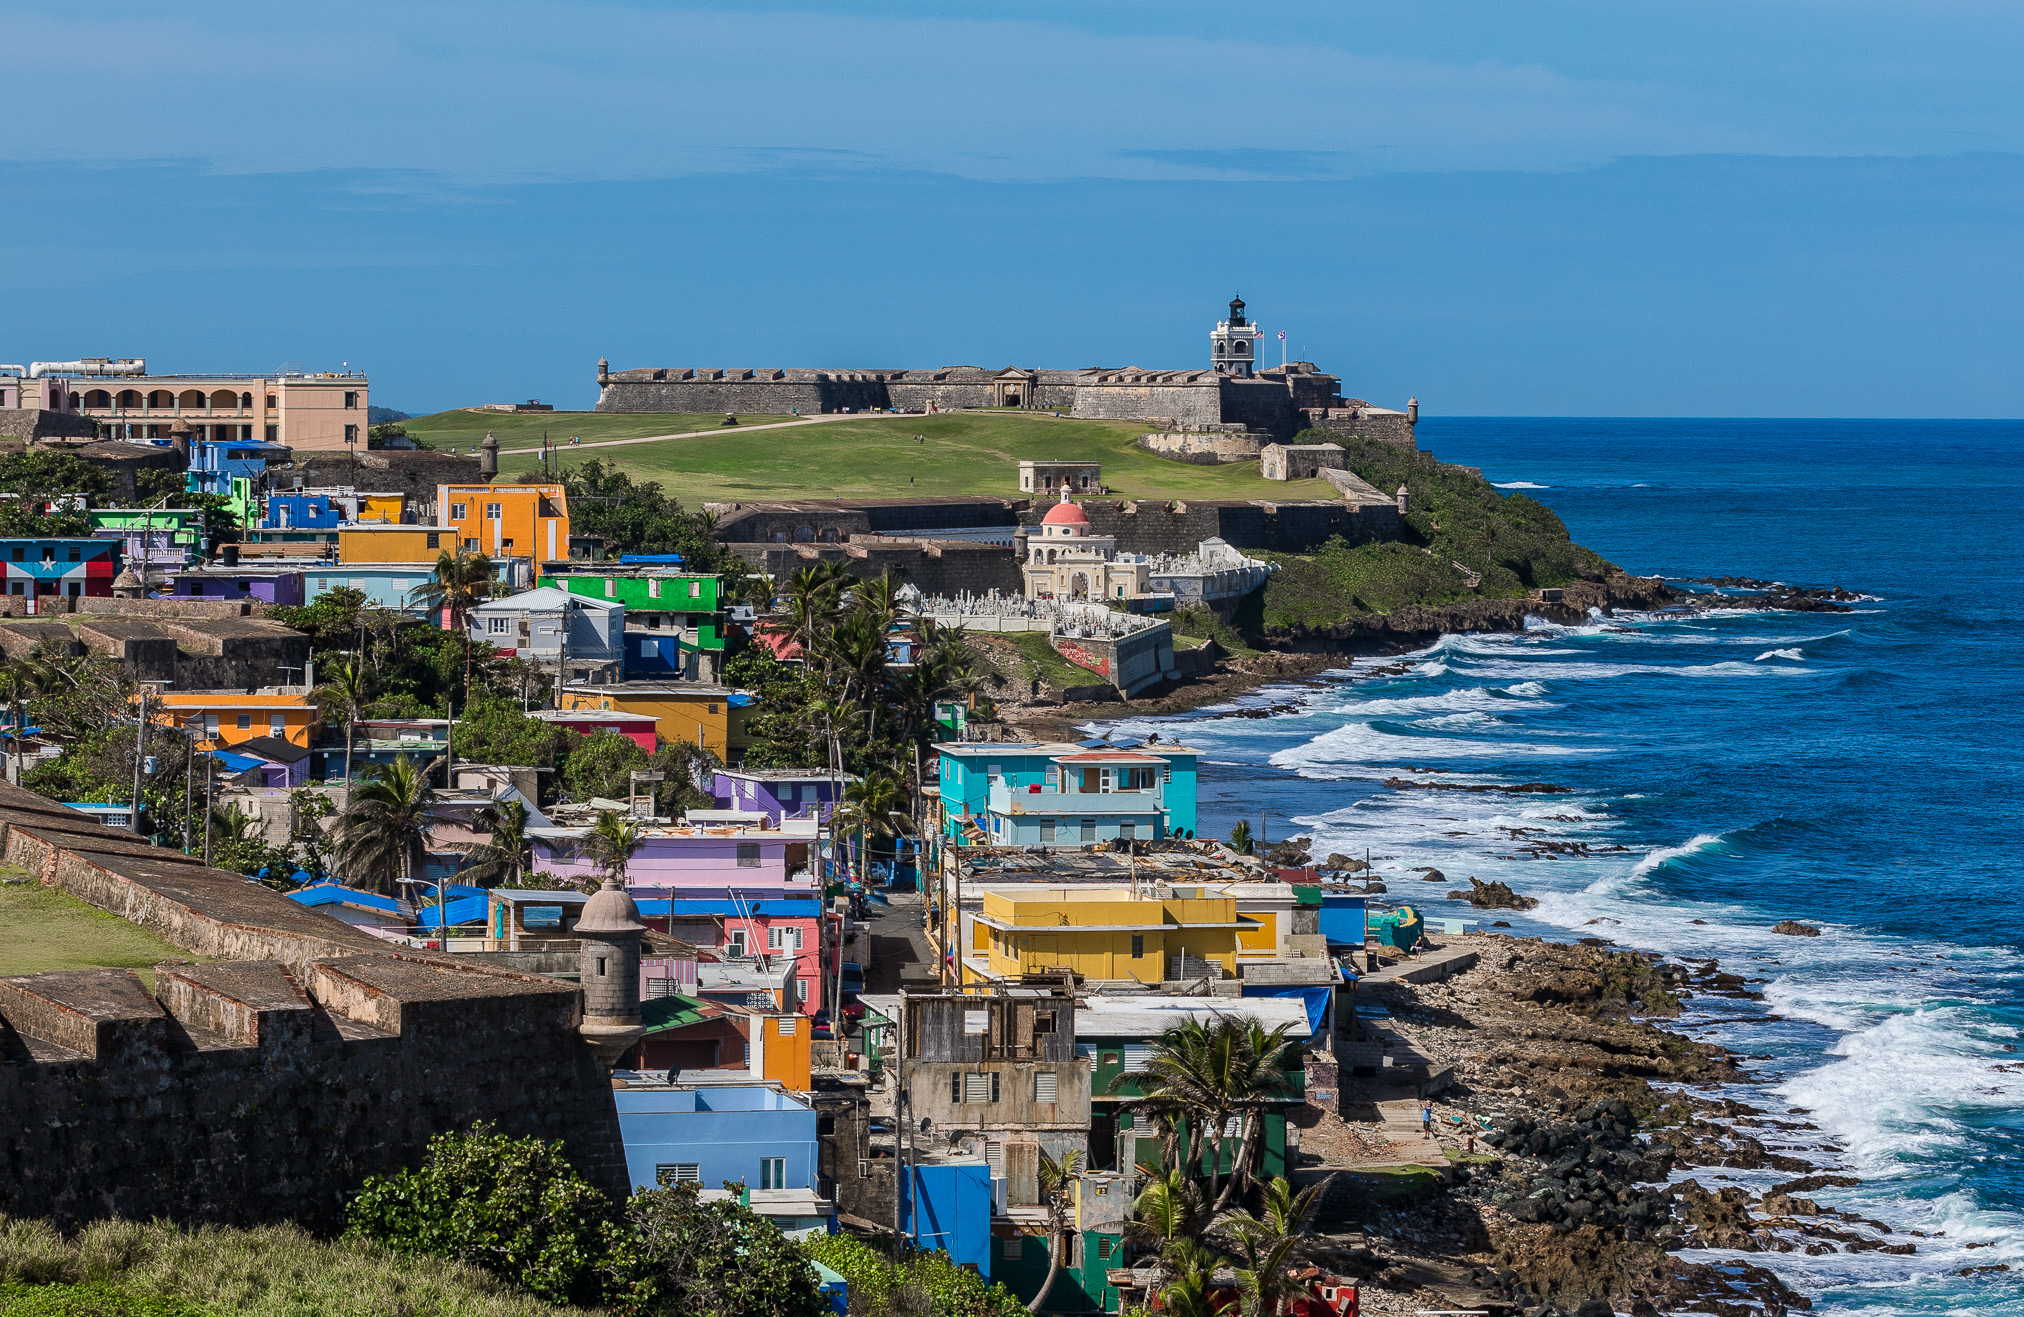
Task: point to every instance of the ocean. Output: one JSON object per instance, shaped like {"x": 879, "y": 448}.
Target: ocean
{"x": 1858, "y": 772}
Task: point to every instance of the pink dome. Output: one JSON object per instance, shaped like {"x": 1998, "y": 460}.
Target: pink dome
{"x": 1065, "y": 514}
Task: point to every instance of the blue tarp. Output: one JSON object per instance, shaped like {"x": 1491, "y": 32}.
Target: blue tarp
{"x": 338, "y": 894}
{"x": 236, "y": 763}
{"x": 649, "y": 557}
{"x": 1316, "y": 999}
{"x": 741, "y": 699}
{"x": 463, "y": 910}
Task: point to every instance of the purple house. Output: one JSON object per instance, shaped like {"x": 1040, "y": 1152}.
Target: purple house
{"x": 804, "y": 793}
{"x": 271, "y": 584}
{"x": 284, "y": 763}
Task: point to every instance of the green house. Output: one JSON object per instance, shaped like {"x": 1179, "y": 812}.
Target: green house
{"x": 1118, "y": 1037}
{"x": 686, "y": 601}
{"x": 164, "y": 537}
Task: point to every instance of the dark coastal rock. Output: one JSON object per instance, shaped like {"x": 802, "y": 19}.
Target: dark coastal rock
{"x": 1340, "y": 863}
{"x": 1432, "y": 876}
{"x": 1374, "y": 887}
{"x": 1495, "y": 896}
{"x": 1516, "y": 789}
{"x": 1793, "y": 928}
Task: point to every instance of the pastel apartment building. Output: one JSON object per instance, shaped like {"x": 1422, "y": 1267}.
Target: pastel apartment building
{"x": 709, "y": 716}
{"x": 161, "y": 538}
{"x": 1060, "y": 793}
{"x": 227, "y": 718}
{"x": 325, "y": 409}
{"x": 778, "y": 793}
{"x": 1107, "y": 934}
{"x": 554, "y": 629}
{"x": 507, "y": 521}
{"x": 639, "y": 727}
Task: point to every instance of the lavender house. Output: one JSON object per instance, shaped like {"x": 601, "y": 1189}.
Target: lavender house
{"x": 271, "y": 584}
{"x": 779, "y": 793}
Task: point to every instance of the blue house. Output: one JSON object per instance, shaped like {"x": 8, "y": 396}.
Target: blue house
{"x": 653, "y": 654}
{"x": 752, "y": 1135}
{"x": 1066, "y": 794}
{"x": 215, "y": 463}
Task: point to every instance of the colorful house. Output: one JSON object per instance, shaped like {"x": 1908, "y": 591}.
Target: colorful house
{"x": 708, "y": 716}
{"x": 506, "y": 521}
{"x": 638, "y": 726}
{"x": 327, "y": 510}
{"x": 228, "y": 718}
{"x": 1104, "y": 933}
{"x": 1018, "y": 794}
{"x": 272, "y": 583}
{"x": 39, "y": 569}
{"x": 784, "y": 793}
{"x": 162, "y": 538}
{"x": 553, "y": 627}
{"x": 676, "y": 622}
{"x": 751, "y": 1135}
{"x": 1117, "y": 1036}
{"x": 378, "y": 741}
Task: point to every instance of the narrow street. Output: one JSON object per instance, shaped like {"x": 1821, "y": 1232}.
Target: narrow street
{"x": 899, "y": 946}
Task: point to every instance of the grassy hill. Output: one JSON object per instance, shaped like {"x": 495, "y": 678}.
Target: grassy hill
{"x": 880, "y": 456}
{"x": 463, "y": 429}
{"x": 43, "y": 929}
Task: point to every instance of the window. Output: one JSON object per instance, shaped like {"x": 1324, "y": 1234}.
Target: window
{"x": 458, "y": 511}
{"x": 1087, "y": 1051}
{"x": 20, "y": 554}
{"x": 277, "y": 724}
{"x": 955, "y": 1088}
{"x": 678, "y": 1173}
{"x": 1127, "y": 830}
{"x": 772, "y": 1172}
{"x": 1104, "y": 1246}
{"x": 734, "y": 942}
{"x": 748, "y": 855}
{"x": 980, "y": 1087}
{"x": 470, "y": 546}
{"x": 646, "y": 648}
{"x": 1012, "y": 1248}
{"x": 49, "y": 553}
{"x": 789, "y": 1026}
{"x": 1137, "y": 1056}
{"x": 1089, "y": 829}
{"x": 273, "y": 431}
{"x": 695, "y": 589}
{"x": 654, "y": 588}
{"x": 976, "y": 1024}
{"x": 802, "y": 989}
{"x": 211, "y": 725}
{"x": 497, "y": 626}
{"x": 350, "y": 401}
{"x": 492, "y": 512}
{"x": 710, "y": 708}
{"x": 245, "y": 722}
{"x": 1044, "y": 1086}
{"x": 351, "y": 434}
{"x": 1054, "y": 777}
{"x": 994, "y": 1153}
{"x": 610, "y": 588}
{"x": 1138, "y": 779}
{"x": 1138, "y": 946}
{"x": 1046, "y": 830}
{"x": 784, "y": 937}
{"x": 435, "y": 539}
{"x": 1043, "y": 1022}
{"x": 77, "y": 555}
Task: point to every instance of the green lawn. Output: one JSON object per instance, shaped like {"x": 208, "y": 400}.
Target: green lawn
{"x": 962, "y": 453}
{"x": 462, "y": 429}
{"x": 44, "y": 929}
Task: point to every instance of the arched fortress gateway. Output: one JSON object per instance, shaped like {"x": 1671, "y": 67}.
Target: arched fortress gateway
{"x": 1231, "y": 393}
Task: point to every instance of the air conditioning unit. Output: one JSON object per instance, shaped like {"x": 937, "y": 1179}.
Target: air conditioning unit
{"x": 864, "y": 1168}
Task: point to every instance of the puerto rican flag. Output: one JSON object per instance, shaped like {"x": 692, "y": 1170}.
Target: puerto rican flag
{"x": 1256, "y": 332}
{"x": 1282, "y": 336}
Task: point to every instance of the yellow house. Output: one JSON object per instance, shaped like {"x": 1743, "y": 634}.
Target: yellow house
{"x": 229, "y": 718}
{"x": 382, "y": 507}
{"x": 693, "y": 711}
{"x": 507, "y": 521}
{"x": 1105, "y": 932}
{"x": 393, "y": 543}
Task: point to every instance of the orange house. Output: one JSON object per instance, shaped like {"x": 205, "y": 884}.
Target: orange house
{"x": 780, "y": 1050}
{"x": 505, "y": 521}
{"x": 229, "y": 718}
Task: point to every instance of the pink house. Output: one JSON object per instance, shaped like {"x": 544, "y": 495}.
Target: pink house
{"x": 639, "y": 726}
{"x": 738, "y": 891}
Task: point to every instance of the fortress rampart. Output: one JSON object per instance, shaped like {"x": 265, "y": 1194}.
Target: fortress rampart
{"x": 265, "y": 1084}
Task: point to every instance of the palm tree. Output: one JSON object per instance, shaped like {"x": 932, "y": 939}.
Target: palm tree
{"x": 611, "y": 843}
{"x": 345, "y": 692}
{"x": 880, "y": 597}
{"x": 874, "y": 806}
{"x": 1240, "y": 837}
{"x": 1056, "y": 1179}
{"x": 385, "y": 824}
{"x": 28, "y": 675}
{"x": 1216, "y": 1075}
{"x": 1193, "y": 1266}
{"x": 1170, "y": 1211}
{"x": 461, "y": 582}
{"x": 811, "y": 596}
{"x": 1270, "y": 1244}
{"x": 504, "y": 856}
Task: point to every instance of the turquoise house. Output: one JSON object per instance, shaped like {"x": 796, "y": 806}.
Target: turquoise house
{"x": 1060, "y": 793}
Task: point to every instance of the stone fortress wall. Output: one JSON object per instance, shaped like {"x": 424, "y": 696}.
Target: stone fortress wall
{"x": 266, "y": 1084}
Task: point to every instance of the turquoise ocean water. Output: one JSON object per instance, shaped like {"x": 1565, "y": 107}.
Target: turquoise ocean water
{"x": 1856, "y": 771}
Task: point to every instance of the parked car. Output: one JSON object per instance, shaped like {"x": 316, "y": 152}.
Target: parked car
{"x": 821, "y": 1027}
{"x": 852, "y": 977}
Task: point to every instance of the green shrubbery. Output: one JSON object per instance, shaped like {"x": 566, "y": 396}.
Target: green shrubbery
{"x": 88, "y": 1301}
{"x": 516, "y": 1208}
{"x": 1464, "y": 539}
{"x": 923, "y": 1284}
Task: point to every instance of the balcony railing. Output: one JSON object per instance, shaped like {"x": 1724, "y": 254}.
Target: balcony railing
{"x": 1024, "y": 800}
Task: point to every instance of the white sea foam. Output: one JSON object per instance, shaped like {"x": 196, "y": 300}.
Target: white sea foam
{"x": 1795, "y": 654}
{"x": 1518, "y": 484}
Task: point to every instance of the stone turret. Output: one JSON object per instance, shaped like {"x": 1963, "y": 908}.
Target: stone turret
{"x": 1412, "y": 411}
{"x": 1405, "y": 501}
{"x": 603, "y": 371}
{"x": 127, "y": 585}
{"x": 488, "y": 459}
{"x": 610, "y": 972}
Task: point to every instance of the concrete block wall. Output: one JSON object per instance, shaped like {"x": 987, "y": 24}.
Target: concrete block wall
{"x": 1203, "y": 447}
{"x": 1300, "y": 461}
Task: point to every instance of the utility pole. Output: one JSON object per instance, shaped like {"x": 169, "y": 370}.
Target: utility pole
{"x": 899, "y": 1116}
{"x": 140, "y": 754}
{"x": 210, "y": 764}
{"x": 189, "y": 779}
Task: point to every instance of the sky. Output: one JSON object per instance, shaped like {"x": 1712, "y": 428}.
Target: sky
{"x": 1772, "y": 208}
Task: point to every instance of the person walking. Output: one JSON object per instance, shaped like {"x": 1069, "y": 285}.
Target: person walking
{"x": 1427, "y": 1119}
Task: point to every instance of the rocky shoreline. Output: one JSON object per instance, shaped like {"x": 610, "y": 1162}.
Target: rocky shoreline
{"x": 1570, "y": 1127}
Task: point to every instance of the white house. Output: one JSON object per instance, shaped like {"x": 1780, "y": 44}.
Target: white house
{"x": 585, "y": 637}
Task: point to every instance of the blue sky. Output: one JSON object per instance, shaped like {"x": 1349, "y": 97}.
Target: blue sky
{"x": 1771, "y": 208}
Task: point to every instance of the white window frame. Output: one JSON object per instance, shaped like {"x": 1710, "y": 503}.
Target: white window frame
{"x": 1046, "y": 1086}
{"x": 495, "y": 512}
{"x": 784, "y": 937}
{"x": 682, "y": 1172}
{"x": 458, "y": 511}
{"x": 772, "y": 1172}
